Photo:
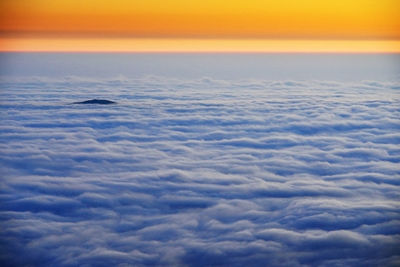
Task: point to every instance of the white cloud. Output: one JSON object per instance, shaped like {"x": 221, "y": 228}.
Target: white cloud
{"x": 199, "y": 172}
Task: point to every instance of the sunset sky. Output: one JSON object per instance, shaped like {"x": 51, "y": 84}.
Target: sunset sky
{"x": 206, "y": 25}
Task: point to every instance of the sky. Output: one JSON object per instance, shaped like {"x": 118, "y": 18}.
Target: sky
{"x": 234, "y": 158}
{"x": 208, "y": 26}
{"x": 225, "y": 66}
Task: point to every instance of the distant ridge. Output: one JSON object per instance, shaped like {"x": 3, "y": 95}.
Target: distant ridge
{"x": 96, "y": 101}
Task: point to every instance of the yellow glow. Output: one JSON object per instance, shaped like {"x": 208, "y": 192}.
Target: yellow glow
{"x": 53, "y": 21}
{"x": 197, "y": 45}
{"x": 205, "y": 18}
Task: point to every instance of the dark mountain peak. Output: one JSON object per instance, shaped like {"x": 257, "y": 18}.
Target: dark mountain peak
{"x": 96, "y": 101}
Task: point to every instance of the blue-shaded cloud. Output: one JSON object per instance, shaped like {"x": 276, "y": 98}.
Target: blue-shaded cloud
{"x": 199, "y": 172}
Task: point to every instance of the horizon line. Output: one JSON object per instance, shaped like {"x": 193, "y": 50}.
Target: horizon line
{"x": 174, "y": 45}
{"x": 200, "y": 52}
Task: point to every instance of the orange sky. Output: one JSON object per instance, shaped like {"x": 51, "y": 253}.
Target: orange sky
{"x": 206, "y": 25}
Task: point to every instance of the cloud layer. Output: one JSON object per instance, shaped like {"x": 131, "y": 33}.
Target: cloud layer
{"x": 199, "y": 172}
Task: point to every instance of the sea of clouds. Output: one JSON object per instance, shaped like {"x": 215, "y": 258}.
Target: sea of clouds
{"x": 199, "y": 172}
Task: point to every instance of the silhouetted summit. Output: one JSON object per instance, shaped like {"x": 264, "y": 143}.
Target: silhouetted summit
{"x": 96, "y": 101}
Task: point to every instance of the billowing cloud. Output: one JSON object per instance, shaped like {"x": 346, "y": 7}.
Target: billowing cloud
{"x": 199, "y": 172}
